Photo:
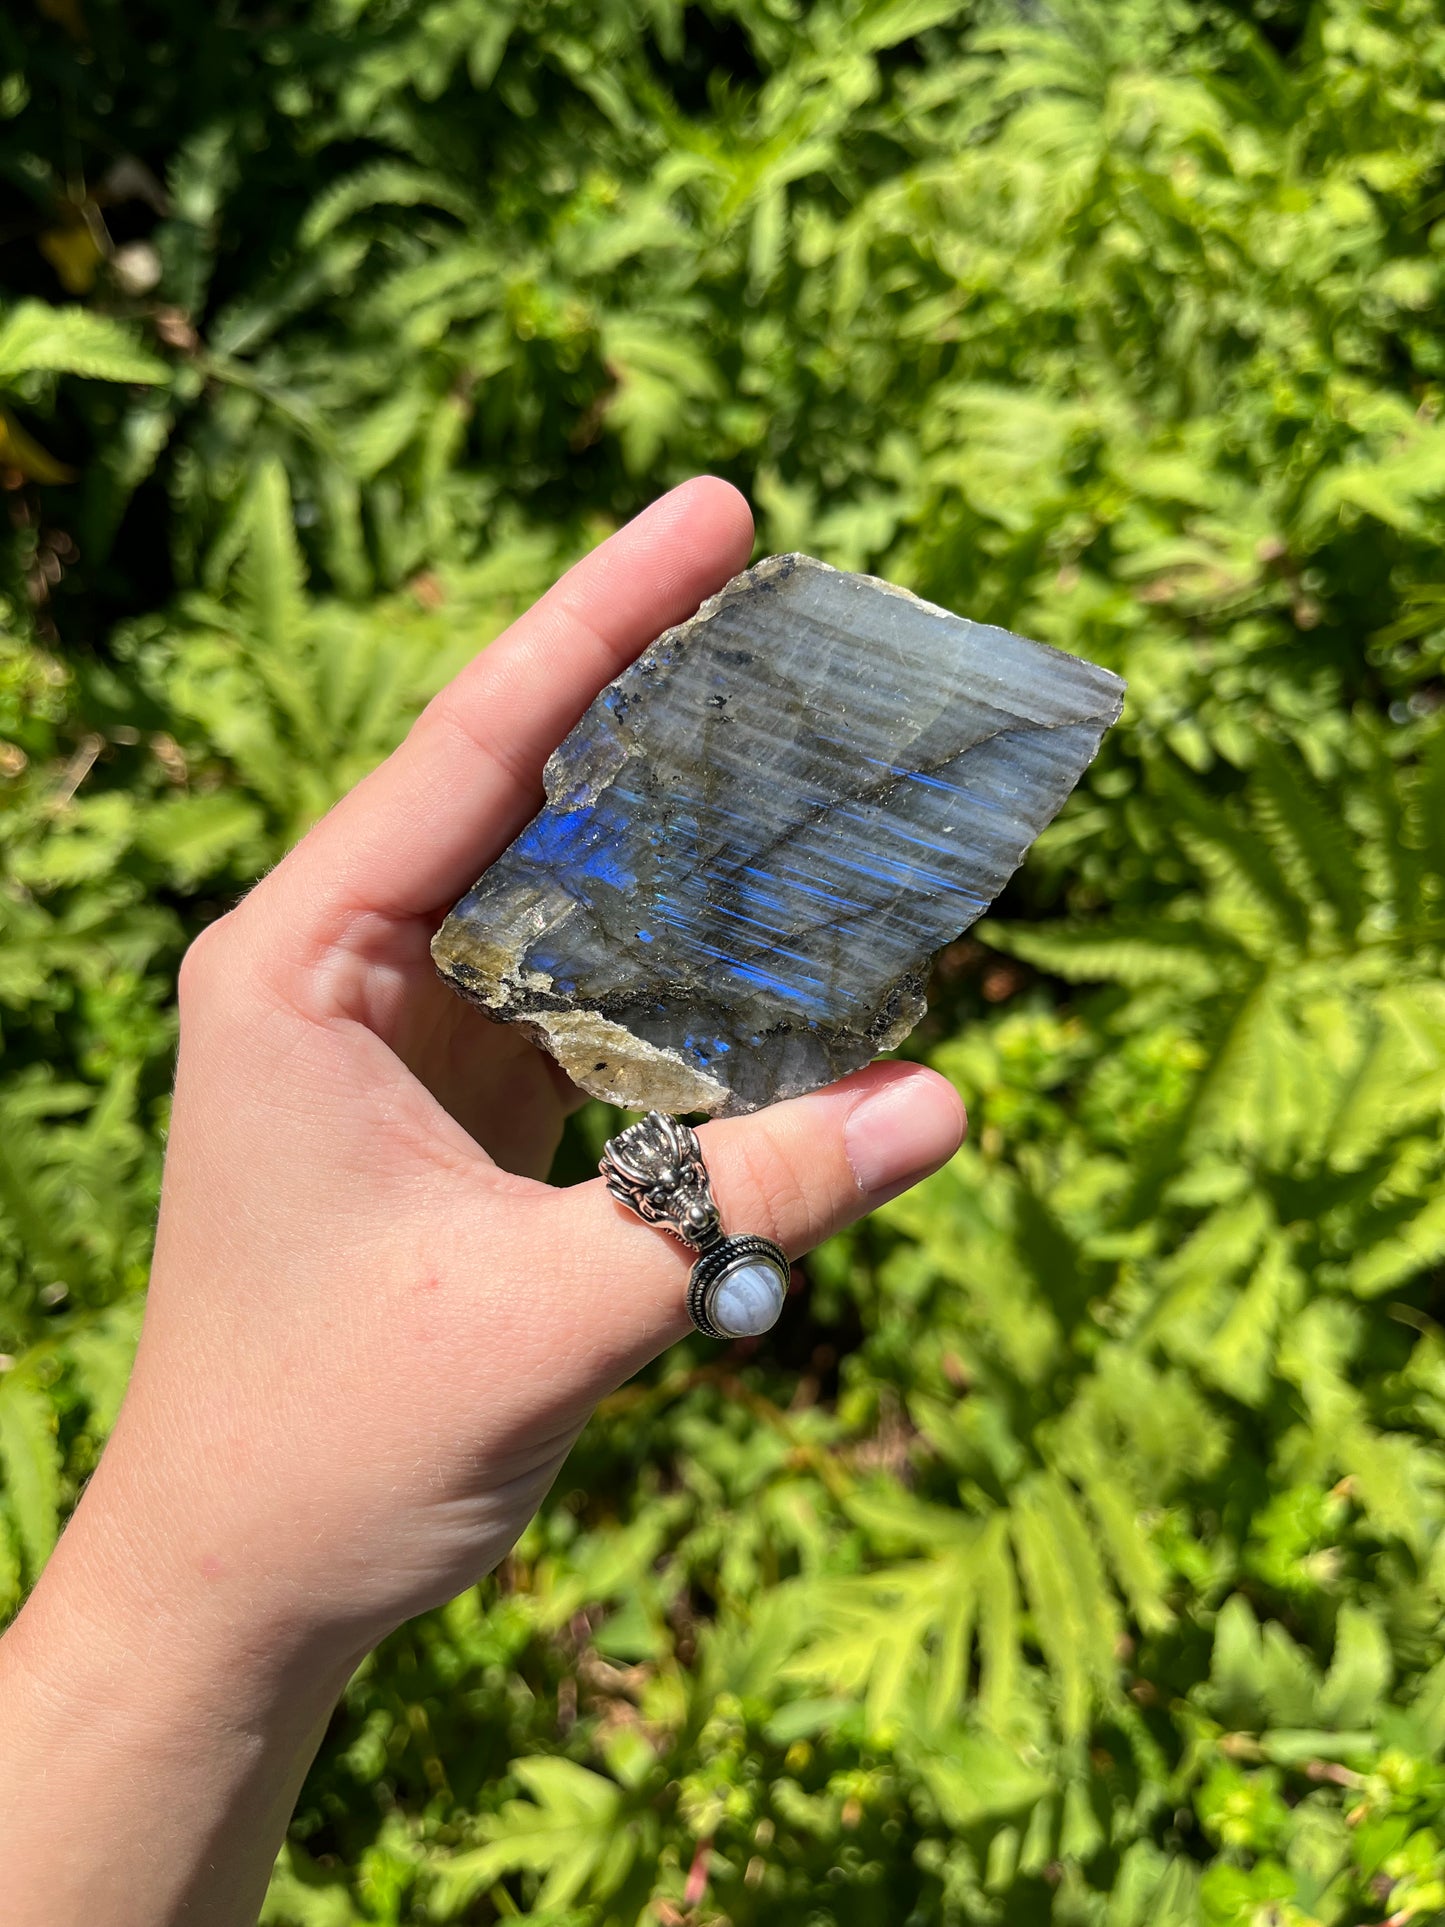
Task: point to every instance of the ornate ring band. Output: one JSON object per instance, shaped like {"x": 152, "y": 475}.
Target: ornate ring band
{"x": 738, "y": 1284}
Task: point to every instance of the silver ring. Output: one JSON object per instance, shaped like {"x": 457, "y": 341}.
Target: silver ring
{"x": 738, "y": 1284}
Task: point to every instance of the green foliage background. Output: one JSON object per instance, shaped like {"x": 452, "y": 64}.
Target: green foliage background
{"x": 1078, "y": 1554}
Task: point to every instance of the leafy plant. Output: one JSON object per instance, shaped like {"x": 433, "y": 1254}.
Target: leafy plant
{"x": 1077, "y": 1554}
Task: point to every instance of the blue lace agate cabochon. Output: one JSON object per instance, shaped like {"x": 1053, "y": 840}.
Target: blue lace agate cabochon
{"x": 748, "y": 1299}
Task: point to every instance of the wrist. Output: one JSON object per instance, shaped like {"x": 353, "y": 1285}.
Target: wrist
{"x": 141, "y": 1696}
{"x": 152, "y": 1581}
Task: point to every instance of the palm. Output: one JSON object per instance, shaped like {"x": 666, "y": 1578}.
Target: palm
{"x": 509, "y": 1095}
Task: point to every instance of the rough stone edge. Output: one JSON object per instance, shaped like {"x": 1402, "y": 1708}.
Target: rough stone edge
{"x": 609, "y": 1062}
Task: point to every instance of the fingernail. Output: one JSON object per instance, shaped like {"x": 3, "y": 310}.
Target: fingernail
{"x": 901, "y": 1132}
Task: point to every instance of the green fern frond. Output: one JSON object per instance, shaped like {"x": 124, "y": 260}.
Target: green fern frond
{"x": 1307, "y": 836}
{"x": 998, "y": 1631}
{"x": 1354, "y": 1691}
{"x": 38, "y": 339}
{"x": 1194, "y": 1279}
{"x": 1239, "y": 1355}
{"x": 100, "y": 1354}
{"x": 566, "y": 1830}
{"x": 980, "y": 1778}
{"x": 272, "y": 576}
{"x": 1426, "y": 809}
{"x": 382, "y": 184}
{"x": 1070, "y": 1611}
{"x": 1398, "y": 1483}
{"x": 1399, "y": 1082}
{"x": 1188, "y": 958}
{"x": 876, "y": 1631}
{"x": 31, "y": 1465}
{"x": 1234, "y": 860}
{"x": 1130, "y": 1553}
{"x": 1393, "y": 848}
{"x": 1392, "y": 1261}
{"x": 12, "y": 1569}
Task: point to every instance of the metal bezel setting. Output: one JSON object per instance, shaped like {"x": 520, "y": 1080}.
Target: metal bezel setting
{"x": 713, "y": 1266}
{"x": 655, "y": 1169}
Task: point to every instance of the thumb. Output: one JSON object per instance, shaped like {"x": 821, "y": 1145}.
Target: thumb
{"x": 794, "y": 1173}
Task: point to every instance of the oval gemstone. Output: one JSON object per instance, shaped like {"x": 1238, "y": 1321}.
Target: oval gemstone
{"x": 748, "y": 1300}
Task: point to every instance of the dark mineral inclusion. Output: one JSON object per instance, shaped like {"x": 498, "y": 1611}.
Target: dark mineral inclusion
{"x": 758, "y": 836}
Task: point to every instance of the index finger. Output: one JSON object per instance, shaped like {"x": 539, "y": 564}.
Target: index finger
{"x": 414, "y": 834}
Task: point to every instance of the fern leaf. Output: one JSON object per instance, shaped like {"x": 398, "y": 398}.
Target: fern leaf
{"x": 1391, "y": 487}
{"x": 660, "y": 371}
{"x": 874, "y": 1631}
{"x": 1427, "y": 808}
{"x": 1234, "y": 859}
{"x": 30, "y": 1461}
{"x": 1355, "y": 1687}
{"x": 1153, "y": 1890}
{"x": 194, "y": 836}
{"x": 1080, "y": 1834}
{"x": 1003, "y": 1861}
{"x": 567, "y": 1831}
{"x": 1307, "y": 835}
{"x": 1237, "y": 1669}
{"x": 1194, "y": 1276}
{"x": 1391, "y": 1262}
{"x": 891, "y": 21}
{"x": 12, "y": 1576}
{"x": 1052, "y": 1608}
{"x": 1239, "y": 1356}
{"x": 1040, "y": 1844}
{"x": 378, "y": 437}
{"x": 26, "y": 1194}
{"x": 493, "y": 30}
{"x": 1394, "y": 845}
{"x": 1423, "y": 1722}
{"x": 998, "y": 1629}
{"x": 303, "y": 1894}
{"x": 859, "y": 1642}
{"x": 1091, "y": 1606}
{"x": 86, "y": 843}
{"x": 954, "y": 1647}
{"x": 1397, "y": 1082}
{"x": 894, "y": 1662}
{"x": 1133, "y": 1558}
{"x": 272, "y": 576}
{"x": 244, "y": 326}
{"x": 101, "y": 1355}
{"x": 1397, "y": 1483}
{"x": 382, "y": 184}
{"x": 1232, "y": 1106}
{"x": 1291, "y": 1683}
{"x": 1189, "y": 957}
{"x": 36, "y": 338}
{"x": 980, "y": 1778}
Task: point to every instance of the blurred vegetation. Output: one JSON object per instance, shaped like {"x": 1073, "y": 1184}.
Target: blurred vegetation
{"x": 1077, "y": 1554}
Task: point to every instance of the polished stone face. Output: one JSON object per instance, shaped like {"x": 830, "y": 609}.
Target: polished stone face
{"x": 756, "y": 839}
{"x": 748, "y": 1300}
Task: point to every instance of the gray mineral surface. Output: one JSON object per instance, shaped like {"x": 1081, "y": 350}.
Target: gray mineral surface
{"x": 759, "y": 835}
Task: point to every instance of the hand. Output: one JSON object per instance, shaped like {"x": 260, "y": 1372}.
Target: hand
{"x": 372, "y": 1333}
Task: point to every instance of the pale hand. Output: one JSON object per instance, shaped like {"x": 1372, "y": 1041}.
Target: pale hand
{"x": 372, "y": 1332}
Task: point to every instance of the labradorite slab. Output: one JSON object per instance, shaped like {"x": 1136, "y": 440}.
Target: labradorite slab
{"x": 758, "y": 836}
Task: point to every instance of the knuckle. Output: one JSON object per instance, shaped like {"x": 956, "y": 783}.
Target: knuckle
{"x": 203, "y": 964}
